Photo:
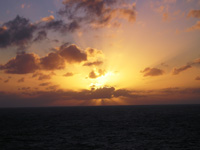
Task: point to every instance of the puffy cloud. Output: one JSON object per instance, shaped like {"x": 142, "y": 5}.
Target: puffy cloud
{"x": 68, "y": 74}
{"x": 176, "y": 71}
{"x": 95, "y": 74}
{"x": 22, "y": 64}
{"x": 94, "y": 63}
{"x": 17, "y": 32}
{"x": 21, "y": 80}
{"x": 52, "y": 61}
{"x": 73, "y": 54}
{"x": 152, "y": 72}
{"x": 48, "y": 19}
{"x": 194, "y": 14}
{"x": 29, "y": 63}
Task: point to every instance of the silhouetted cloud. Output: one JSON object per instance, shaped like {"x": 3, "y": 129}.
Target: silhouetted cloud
{"x": 152, "y": 72}
{"x": 52, "y": 61}
{"x": 29, "y": 63}
{"x": 68, "y": 74}
{"x": 73, "y": 54}
{"x": 21, "y": 80}
{"x": 176, "y": 71}
{"x": 54, "y": 96}
{"x": 194, "y": 14}
{"x": 6, "y": 81}
{"x": 94, "y": 63}
{"x": 41, "y": 35}
{"x": 21, "y": 64}
{"x": 197, "y": 78}
{"x": 45, "y": 84}
{"x": 17, "y": 32}
{"x": 95, "y": 74}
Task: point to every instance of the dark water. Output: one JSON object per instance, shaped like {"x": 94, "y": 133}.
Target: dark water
{"x": 117, "y": 127}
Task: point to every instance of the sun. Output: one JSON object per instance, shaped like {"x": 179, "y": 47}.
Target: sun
{"x": 103, "y": 80}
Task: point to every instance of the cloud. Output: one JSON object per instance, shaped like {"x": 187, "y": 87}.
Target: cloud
{"x": 45, "y": 84}
{"x": 22, "y": 64}
{"x": 6, "y": 81}
{"x": 194, "y": 27}
{"x": 48, "y": 19}
{"x": 55, "y": 96}
{"x": 18, "y": 32}
{"x": 176, "y": 71}
{"x": 42, "y": 76}
{"x": 94, "y": 63}
{"x": 29, "y": 63}
{"x": 194, "y": 14}
{"x": 41, "y": 35}
{"x": 95, "y": 74}
{"x": 73, "y": 54}
{"x": 52, "y": 61}
{"x": 195, "y": 62}
{"x": 91, "y": 52}
{"x": 60, "y": 26}
{"x": 152, "y": 72}
{"x": 21, "y": 80}
{"x": 197, "y": 78}
{"x": 97, "y": 13}
{"x": 68, "y": 74}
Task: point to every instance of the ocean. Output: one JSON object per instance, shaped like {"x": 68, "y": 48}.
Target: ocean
{"x": 159, "y": 127}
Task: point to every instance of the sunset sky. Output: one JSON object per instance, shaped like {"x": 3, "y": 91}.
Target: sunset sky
{"x": 99, "y": 52}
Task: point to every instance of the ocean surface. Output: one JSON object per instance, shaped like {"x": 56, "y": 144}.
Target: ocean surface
{"x": 171, "y": 127}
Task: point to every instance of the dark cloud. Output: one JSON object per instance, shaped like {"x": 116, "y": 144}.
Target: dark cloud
{"x": 21, "y": 64}
{"x": 91, "y": 52}
{"x": 6, "y": 81}
{"x": 197, "y": 78}
{"x": 60, "y": 26}
{"x": 29, "y": 63}
{"x": 45, "y": 84}
{"x": 194, "y": 14}
{"x": 52, "y": 61}
{"x": 94, "y": 63}
{"x": 95, "y": 74}
{"x": 44, "y": 77}
{"x": 54, "y": 96}
{"x": 68, "y": 74}
{"x": 176, "y": 71}
{"x": 97, "y": 13}
{"x": 21, "y": 80}
{"x": 17, "y": 32}
{"x": 152, "y": 72}
{"x": 73, "y": 54}
{"x": 41, "y": 35}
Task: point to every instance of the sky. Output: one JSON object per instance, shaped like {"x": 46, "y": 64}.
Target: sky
{"x": 100, "y": 52}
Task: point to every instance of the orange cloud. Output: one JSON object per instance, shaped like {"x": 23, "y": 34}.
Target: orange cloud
{"x": 176, "y": 71}
{"x": 48, "y": 19}
{"x": 194, "y": 14}
{"x": 152, "y": 72}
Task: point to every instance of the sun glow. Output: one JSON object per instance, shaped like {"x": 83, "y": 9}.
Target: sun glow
{"x": 103, "y": 80}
